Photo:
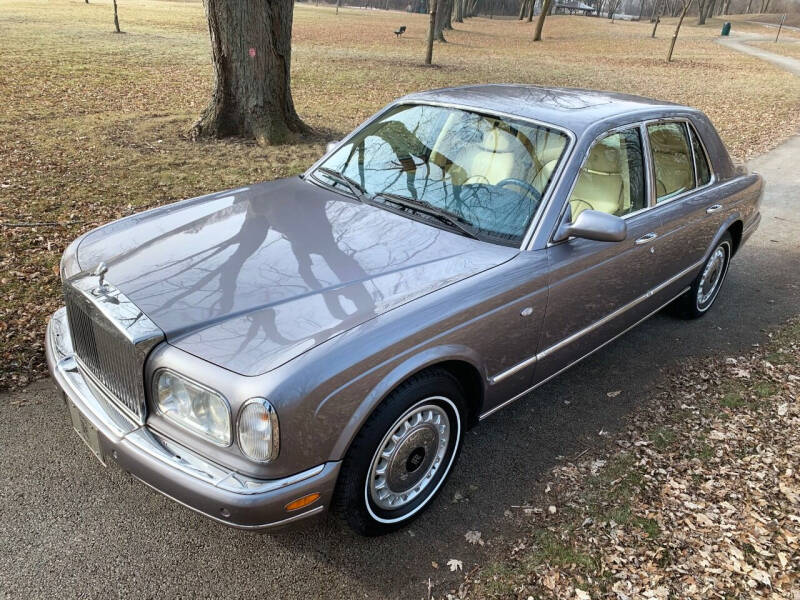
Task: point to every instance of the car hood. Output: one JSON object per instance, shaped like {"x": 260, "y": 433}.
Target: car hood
{"x": 250, "y": 278}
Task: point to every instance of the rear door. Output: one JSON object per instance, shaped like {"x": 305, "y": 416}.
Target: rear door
{"x": 688, "y": 204}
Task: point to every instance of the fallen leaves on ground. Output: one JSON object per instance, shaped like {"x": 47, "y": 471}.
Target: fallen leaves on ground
{"x": 700, "y": 499}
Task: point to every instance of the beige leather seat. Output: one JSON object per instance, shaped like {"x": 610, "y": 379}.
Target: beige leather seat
{"x": 599, "y": 185}
{"x": 548, "y": 152}
{"x": 671, "y": 159}
{"x": 494, "y": 159}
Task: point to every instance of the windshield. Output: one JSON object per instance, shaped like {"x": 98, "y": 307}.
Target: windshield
{"x": 485, "y": 171}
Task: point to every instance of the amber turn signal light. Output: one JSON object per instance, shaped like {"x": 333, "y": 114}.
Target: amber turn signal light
{"x": 302, "y": 501}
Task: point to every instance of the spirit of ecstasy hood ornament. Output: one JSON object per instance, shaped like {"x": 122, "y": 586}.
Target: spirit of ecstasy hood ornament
{"x": 100, "y": 272}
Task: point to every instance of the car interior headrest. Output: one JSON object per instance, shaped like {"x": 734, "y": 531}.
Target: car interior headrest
{"x": 604, "y": 160}
{"x": 497, "y": 140}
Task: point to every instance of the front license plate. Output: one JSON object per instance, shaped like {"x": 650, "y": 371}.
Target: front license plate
{"x": 86, "y": 431}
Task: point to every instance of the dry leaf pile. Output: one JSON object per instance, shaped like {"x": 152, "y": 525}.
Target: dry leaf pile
{"x": 701, "y": 498}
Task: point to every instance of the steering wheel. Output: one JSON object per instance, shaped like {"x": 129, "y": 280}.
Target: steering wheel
{"x": 537, "y": 195}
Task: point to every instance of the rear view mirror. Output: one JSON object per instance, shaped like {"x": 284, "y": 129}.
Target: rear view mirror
{"x": 594, "y": 225}
{"x": 331, "y": 145}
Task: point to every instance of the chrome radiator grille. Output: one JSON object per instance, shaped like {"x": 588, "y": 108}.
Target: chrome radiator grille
{"x": 110, "y": 356}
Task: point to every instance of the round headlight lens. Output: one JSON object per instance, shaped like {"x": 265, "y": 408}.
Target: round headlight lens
{"x": 258, "y": 430}
{"x": 193, "y": 406}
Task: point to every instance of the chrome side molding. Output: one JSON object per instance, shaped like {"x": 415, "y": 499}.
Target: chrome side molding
{"x": 589, "y": 328}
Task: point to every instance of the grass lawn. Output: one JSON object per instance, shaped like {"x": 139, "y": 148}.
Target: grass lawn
{"x": 93, "y": 124}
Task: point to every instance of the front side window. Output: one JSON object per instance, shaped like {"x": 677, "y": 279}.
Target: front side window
{"x": 672, "y": 159}
{"x": 488, "y": 172}
{"x": 612, "y": 179}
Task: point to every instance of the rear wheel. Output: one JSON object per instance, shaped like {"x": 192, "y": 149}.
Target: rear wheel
{"x": 706, "y": 286}
{"x": 402, "y": 456}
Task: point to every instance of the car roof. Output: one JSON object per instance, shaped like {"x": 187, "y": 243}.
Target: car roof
{"x": 571, "y": 108}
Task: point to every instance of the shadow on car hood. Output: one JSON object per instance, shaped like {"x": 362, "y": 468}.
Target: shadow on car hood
{"x": 250, "y": 278}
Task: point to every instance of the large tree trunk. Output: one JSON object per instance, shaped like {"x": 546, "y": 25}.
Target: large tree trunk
{"x": 447, "y": 15}
{"x": 431, "y": 30}
{"x": 710, "y": 8}
{"x": 701, "y": 11}
{"x": 537, "y": 35}
{"x": 523, "y": 5}
{"x": 441, "y": 9}
{"x": 686, "y": 5}
{"x": 251, "y": 50}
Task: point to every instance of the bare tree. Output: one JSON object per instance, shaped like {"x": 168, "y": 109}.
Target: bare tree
{"x": 522, "y": 6}
{"x": 251, "y": 52}
{"x": 431, "y": 28}
{"x": 531, "y": 8}
{"x": 116, "y": 17}
{"x": 657, "y": 12}
{"x": 537, "y": 35}
{"x": 686, "y": 5}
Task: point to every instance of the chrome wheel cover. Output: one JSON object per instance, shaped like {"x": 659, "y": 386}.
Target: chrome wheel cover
{"x": 711, "y": 278}
{"x": 410, "y": 455}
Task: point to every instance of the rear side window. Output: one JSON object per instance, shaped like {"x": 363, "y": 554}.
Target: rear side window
{"x": 672, "y": 159}
{"x": 700, "y": 161}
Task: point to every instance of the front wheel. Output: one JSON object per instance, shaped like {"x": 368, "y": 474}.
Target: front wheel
{"x": 403, "y": 454}
{"x": 706, "y": 286}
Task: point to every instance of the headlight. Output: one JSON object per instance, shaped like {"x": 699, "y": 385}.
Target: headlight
{"x": 193, "y": 406}
{"x": 259, "y": 438}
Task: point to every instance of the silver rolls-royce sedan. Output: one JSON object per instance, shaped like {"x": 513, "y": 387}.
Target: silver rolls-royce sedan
{"x": 267, "y": 353}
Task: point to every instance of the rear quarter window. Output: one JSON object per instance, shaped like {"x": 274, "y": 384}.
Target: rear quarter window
{"x": 700, "y": 160}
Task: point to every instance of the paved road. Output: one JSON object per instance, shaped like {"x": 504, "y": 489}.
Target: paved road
{"x": 69, "y": 528}
{"x": 739, "y": 42}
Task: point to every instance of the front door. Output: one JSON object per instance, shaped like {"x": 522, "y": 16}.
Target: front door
{"x": 599, "y": 289}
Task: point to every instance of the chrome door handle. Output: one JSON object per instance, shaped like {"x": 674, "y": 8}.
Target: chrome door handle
{"x": 714, "y": 208}
{"x": 647, "y": 237}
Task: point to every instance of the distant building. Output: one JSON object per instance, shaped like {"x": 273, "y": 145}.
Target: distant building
{"x": 571, "y": 7}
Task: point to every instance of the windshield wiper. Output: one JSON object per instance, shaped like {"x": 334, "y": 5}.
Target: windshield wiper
{"x": 454, "y": 221}
{"x": 355, "y": 188}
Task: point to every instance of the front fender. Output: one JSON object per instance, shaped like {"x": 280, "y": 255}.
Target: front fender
{"x": 384, "y": 385}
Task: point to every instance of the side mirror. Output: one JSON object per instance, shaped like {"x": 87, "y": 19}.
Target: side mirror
{"x": 594, "y": 225}
{"x": 331, "y": 145}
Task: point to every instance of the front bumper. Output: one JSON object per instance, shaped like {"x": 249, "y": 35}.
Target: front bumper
{"x": 174, "y": 470}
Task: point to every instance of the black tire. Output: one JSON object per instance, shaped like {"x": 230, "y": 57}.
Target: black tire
{"x": 432, "y": 394}
{"x": 697, "y": 301}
